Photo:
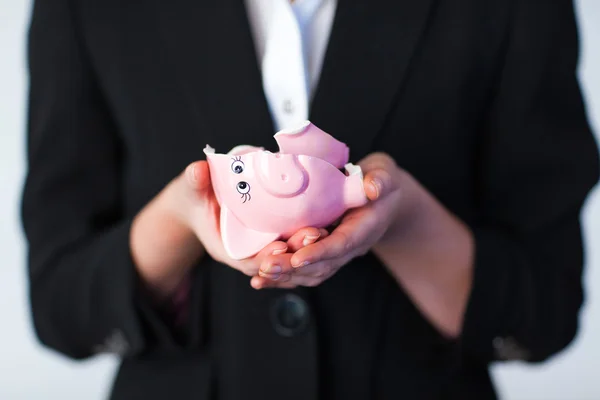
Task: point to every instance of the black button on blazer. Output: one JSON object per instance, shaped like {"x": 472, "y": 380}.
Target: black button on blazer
{"x": 477, "y": 99}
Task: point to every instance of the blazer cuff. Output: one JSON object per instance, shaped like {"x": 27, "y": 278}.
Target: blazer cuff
{"x": 167, "y": 319}
{"x": 494, "y": 294}
{"x": 130, "y": 321}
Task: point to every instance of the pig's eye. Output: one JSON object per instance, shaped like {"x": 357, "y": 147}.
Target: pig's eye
{"x": 243, "y": 187}
{"x": 237, "y": 167}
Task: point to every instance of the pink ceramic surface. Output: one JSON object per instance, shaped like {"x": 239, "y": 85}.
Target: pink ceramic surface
{"x": 267, "y": 196}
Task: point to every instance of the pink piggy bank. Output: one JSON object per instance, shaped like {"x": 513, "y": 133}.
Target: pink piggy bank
{"x": 267, "y": 196}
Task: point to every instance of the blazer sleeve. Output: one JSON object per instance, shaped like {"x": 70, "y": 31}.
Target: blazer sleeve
{"x": 84, "y": 291}
{"x": 538, "y": 162}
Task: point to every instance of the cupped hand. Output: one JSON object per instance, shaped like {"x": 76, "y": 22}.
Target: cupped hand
{"x": 359, "y": 230}
{"x": 197, "y": 207}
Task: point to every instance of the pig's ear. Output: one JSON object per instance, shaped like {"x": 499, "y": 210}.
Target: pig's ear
{"x": 307, "y": 139}
{"x": 239, "y": 241}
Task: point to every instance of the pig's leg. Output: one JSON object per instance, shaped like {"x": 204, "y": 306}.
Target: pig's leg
{"x": 354, "y": 191}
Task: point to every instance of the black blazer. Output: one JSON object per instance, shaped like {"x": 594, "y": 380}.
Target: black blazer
{"x": 477, "y": 99}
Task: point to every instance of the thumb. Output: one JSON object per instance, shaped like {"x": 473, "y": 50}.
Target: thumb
{"x": 197, "y": 176}
{"x": 378, "y": 183}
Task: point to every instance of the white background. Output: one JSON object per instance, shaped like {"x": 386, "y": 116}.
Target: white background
{"x": 30, "y": 372}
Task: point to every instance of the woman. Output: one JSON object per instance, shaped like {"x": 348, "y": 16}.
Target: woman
{"x": 466, "y": 118}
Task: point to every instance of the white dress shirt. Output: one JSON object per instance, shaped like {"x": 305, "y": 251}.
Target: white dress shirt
{"x": 290, "y": 41}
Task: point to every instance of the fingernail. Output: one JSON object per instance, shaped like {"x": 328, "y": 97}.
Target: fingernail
{"x": 377, "y": 186}
{"x": 279, "y": 251}
{"x": 273, "y": 277}
{"x": 302, "y": 264}
{"x": 272, "y": 269}
{"x": 310, "y": 239}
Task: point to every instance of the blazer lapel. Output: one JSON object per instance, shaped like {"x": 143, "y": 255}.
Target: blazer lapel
{"x": 368, "y": 56}
{"x": 211, "y": 48}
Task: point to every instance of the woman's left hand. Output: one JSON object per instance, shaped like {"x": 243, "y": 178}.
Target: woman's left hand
{"x": 359, "y": 230}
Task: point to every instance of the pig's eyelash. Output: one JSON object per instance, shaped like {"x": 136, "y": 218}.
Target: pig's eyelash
{"x": 246, "y": 197}
{"x": 237, "y": 165}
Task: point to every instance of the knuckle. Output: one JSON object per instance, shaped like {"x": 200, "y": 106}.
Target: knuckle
{"x": 347, "y": 243}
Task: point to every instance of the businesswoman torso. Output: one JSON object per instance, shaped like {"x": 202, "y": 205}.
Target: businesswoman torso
{"x": 478, "y": 100}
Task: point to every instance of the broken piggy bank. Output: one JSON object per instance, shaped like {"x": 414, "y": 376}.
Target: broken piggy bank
{"x": 267, "y": 196}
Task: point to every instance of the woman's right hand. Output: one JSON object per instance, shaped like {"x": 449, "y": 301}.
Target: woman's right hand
{"x": 181, "y": 224}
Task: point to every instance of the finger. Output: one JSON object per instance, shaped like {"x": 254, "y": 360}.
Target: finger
{"x": 275, "y": 265}
{"x": 320, "y": 274}
{"x": 272, "y": 249}
{"x": 346, "y": 238}
{"x": 258, "y": 282}
{"x": 314, "y": 274}
{"x": 280, "y": 278}
{"x": 198, "y": 176}
{"x": 320, "y": 269}
{"x": 334, "y": 246}
{"x": 304, "y": 237}
{"x": 250, "y": 266}
{"x": 378, "y": 183}
{"x": 382, "y": 175}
